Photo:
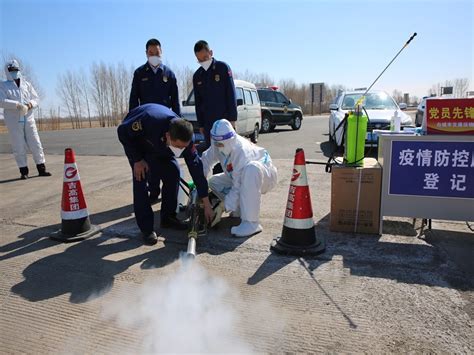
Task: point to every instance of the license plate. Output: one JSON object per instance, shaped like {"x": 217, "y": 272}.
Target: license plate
{"x": 198, "y": 137}
{"x": 372, "y": 137}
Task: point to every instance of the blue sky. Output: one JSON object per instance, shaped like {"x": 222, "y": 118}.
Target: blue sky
{"x": 338, "y": 42}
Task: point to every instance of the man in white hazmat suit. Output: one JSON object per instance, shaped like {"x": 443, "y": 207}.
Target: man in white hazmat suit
{"x": 248, "y": 173}
{"x": 18, "y": 98}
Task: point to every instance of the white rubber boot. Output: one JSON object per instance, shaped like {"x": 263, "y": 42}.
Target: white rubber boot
{"x": 246, "y": 229}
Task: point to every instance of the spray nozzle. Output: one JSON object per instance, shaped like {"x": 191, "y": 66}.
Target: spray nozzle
{"x": 411, "y": 38}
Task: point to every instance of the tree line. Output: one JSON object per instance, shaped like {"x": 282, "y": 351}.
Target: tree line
{"x": 101, "y": 93}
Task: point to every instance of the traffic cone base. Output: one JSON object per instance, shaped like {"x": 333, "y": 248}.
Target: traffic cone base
{"x": 298, "y": 236}
{"x": 75, "y": 223}
{"x": 310, "y": 246}
{"x": 61, "y": 236}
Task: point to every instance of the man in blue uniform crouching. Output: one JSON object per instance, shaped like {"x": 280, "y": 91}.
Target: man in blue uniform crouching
{"x": 153, "y": 137}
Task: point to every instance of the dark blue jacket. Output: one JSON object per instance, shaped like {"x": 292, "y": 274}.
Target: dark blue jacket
{"x": 160, "y": 88}
{"x": 142, "y": 132}
{"x": 214, "y": 94}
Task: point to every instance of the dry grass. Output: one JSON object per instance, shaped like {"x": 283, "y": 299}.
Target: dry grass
{"x": 55, "y": 125}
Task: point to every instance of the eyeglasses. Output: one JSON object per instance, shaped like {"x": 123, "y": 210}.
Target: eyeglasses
{"x": 10, "y": 69}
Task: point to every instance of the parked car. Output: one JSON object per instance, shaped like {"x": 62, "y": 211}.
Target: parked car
{"x": 420, "y": 110}
{"x": 380, "y": 108}
{"x": 249, "y": 117}
{"x": 278, "y": 110}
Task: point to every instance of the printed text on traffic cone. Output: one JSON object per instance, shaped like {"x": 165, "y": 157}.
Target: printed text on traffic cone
{"x": 75, "y": 223}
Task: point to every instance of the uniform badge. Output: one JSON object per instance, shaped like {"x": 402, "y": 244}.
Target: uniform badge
{"x": 144, "y": 79}
{"x": 199, "y": 82}
{"x": 165, "y": 79}
{"x": 217, "y": 77}
{"x": 137, "y": 126}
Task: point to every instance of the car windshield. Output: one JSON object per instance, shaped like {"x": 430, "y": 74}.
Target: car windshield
{"x": 373, "y": 101}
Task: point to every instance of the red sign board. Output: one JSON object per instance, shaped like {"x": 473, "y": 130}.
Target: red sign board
{"x": 450, "y": 116}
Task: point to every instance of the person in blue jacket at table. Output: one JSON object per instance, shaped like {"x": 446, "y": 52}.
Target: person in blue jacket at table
{"x": 154, "y": 82}
{"x": 153, "y": 137}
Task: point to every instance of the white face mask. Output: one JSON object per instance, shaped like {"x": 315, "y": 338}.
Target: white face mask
{"x": 226, "y": 150}
{"x": 154, "y": 60}
{"x": 15, "y": 75}
{"x": 206, "y": 64}
{"x": 176, "y": 151}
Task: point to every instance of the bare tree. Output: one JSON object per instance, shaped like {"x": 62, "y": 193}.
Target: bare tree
{"x": 69, "y": 90}
{"x": 297, "y": 92}
{"x": 435, "y": 90}
{"x": 184, "y": 78}
{"x": 461, "y": 85}
{"x": 85, "y": 94}
{"x": 124, "y": 81}
{"x": 98, "y": 80}
{"x": 397, "y": 95}
{"x": 259, "y": 79}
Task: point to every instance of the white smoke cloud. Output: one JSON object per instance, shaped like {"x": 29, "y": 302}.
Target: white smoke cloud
{"x": 189, "y": 311}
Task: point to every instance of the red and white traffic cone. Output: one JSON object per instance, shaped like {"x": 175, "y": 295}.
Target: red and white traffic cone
{"x": 75, "y": 223}
{"x": 299, "y": 235}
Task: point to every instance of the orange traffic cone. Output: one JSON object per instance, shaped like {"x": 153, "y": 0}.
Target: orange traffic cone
{"x": 75, "y": 224}
{"x": 299, "y": 235}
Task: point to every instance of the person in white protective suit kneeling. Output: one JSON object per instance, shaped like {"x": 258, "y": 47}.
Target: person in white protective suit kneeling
{"x": 18, "y": 98}
{"x": 248, "y": 173}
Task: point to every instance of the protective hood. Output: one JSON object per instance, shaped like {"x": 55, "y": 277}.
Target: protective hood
{"x": 223, "y": 136}
{"x": 11, "y": 63}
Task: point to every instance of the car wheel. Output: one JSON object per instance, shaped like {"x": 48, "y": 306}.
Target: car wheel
{"x": 266, "y": 124}
{"x": 296, "y": 124}
{"x": 254, "y": 135}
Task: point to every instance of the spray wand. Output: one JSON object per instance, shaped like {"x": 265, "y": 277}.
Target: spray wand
{"x": 358, "y": 104}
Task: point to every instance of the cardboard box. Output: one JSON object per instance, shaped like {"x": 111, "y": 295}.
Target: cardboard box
{"x": 355, "y": 198}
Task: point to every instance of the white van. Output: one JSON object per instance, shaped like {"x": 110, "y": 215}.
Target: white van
{"x": 249, "y": 116}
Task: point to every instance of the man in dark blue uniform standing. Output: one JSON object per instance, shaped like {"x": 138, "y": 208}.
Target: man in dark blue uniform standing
{"x": 153, "y": 136}
{"x": 154, "y": 82}
{"x": 214, "y": 90}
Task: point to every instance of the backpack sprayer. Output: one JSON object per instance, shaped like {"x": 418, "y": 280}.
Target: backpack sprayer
{"x": 355, "y": 126}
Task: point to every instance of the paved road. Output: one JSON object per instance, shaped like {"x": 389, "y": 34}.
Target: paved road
{"x": 282, "y": 143}
{"x": 103, "y": 141}
{"x": 393, "y": 293}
